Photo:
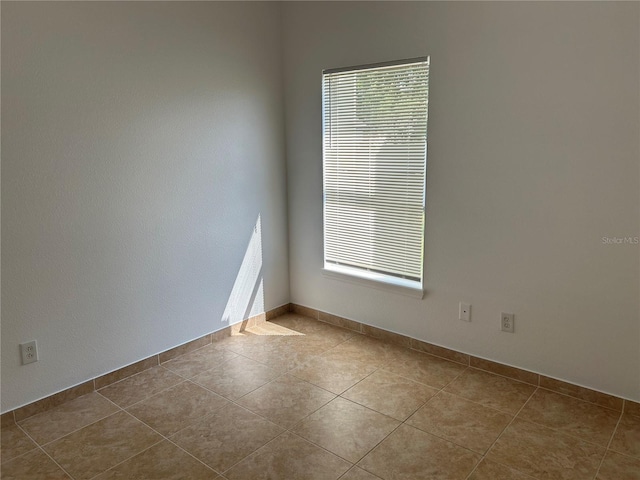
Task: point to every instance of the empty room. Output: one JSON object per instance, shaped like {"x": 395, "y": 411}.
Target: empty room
{"x": 320, "y": 240}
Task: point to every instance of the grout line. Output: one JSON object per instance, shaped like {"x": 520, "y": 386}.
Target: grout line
{"x": 162, "y": 439}
{"x": 284, "y": 431}
{"x": 54, "y": 461}
{"x": 581, "y": 399}
{"x": 110, "y": 401}
{"x": 534, "y": 385}
{"x": 73, "y": 431}
{"x": 502, "y": 433}
{"x": 129, "y": 458}
{"x": 78, "y": 429}
{"x": 190, "y": 454}
{"x": 437, "y": 356}
{"x": 475, "y": 402}
{"x": 564, "y": 434}
{"x": 159, "y": 392}
{"x": 39, "y": 447}
{"x": 149, "y": 395}
{"x": 613, "y": 434}
{"x": 128, "y": 378}
{"x": 355, "y": 466}
{"x": 193, "y": 456}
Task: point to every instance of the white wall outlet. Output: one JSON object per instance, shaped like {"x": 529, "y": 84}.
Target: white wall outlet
{"x": 506, "y": 322}
{"x": 29, "y": 352}
{"x": 465, "y": 312}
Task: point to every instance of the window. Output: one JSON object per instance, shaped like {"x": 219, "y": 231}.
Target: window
{"x": 375, "y": 155}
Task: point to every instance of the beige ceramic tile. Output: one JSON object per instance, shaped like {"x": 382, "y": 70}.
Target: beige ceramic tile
{"x": 184, "y": 348}
{"x": 421, "y": 367}
{"x": 285, "y": 357}
{"x": 582, "y": 393}
{"x": 309, "y": 344}
{"x": 227, "y": 436}
{"x": 346, "y": 428}
{"x": 411, "y": 454}
{"x": 356, "y": 473}
{"x": 7, "y": 419}
{"x": 445, "y": 353}
{"x": 296, "y": 322}
{"x": 236, "y": 378}
{"x": 177, "y": 407}
{"x": 68, "y": 417}
{"x": 460, "y": 421}
{"x": 340, "y": 321}
{"x": 270, "y": 330}
{"x": 289, "y": 457}
{"x": 310, "y": 327}
{"x": 53, "y": 401}
{"x": 304, "y": 311}
{"x": 126, "y": 372}
{"x": 390, "y": 394}
{"x": 386, "y": 336}
{"x": 249, "y": 323}
{"x": 278, "y": 311}
{"x": 102, "y": 445}
{"x": 140, "y": 386}
{"x": 504, "y": 370}
{"x": 488, "y": 470}
{"x": 619, "y": 467}
{"x": 196, "y": 362}
{"x": 251, "y": 346}
{"x": 368, "y": 350}
{"x": 571, "y": 416}
{"x": 163, "y": 461}
{"x": 491, "y": 390}
{"x": 286, "y": 400}
{"x": 35, "y": 465}
{"x": 265, "y": 333}
{"x": 632, "y": 408}
{"x": 221, "y": 335}
{"x": 545, "y": 454}
{"x": 627, "y": 437}
{"x": 14, "y": 442}
{"x": 334, "y": 372}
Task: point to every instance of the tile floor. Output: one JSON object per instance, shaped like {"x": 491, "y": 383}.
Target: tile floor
{"x": 299, "y": 399}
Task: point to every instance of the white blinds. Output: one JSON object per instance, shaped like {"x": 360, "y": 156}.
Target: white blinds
{"x": 375, "y": 146}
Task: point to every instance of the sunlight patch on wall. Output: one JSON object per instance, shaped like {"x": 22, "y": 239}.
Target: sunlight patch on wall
{"x": 247, "y": 295}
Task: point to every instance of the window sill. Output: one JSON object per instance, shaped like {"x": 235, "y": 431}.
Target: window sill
{"x": 374, "y": 280}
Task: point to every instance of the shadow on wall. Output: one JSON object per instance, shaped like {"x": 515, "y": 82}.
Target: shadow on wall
{"x": 247, "y": 295}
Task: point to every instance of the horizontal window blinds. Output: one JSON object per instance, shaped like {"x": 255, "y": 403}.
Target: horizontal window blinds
{"x": 375, "y": 146}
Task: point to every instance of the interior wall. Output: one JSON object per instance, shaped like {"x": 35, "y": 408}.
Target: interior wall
{"x": 143, "y": 181}
{"x": 533, "y": 164}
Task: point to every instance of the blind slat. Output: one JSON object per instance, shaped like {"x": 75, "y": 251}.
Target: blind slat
{"x": 374, "y": 151}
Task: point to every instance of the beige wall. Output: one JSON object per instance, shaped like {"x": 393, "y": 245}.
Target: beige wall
{"x": 533, "y": 158}
{"x": 141, "y": 143}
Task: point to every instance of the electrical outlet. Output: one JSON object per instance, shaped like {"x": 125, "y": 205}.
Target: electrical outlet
{"x": 29, "y": 352}
{"x": 506, "y": 322}
{"x": 464, "y": 313}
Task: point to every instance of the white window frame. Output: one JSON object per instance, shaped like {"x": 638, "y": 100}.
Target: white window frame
{"x": 363, "y": 276}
